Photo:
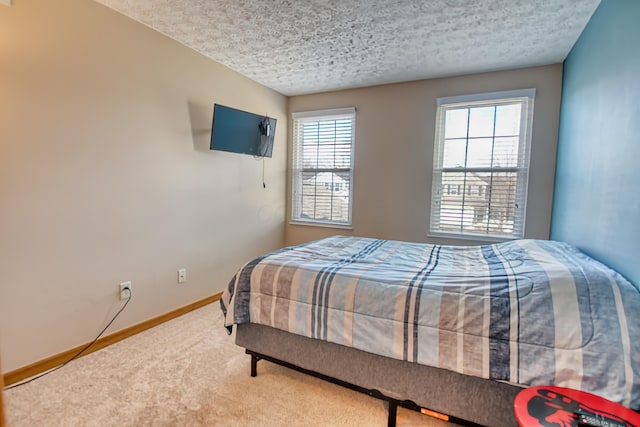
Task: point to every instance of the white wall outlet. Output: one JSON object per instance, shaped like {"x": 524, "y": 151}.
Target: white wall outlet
{"x": 125, "y": 290}
{"x": 182, "y": 275}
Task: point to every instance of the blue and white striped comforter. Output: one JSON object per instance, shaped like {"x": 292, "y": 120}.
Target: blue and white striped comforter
{"x": 529, "y": 312}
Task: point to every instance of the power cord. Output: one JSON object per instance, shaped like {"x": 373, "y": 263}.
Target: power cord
{"x": 264, "y": 184}
{"x": 75, "y": 356}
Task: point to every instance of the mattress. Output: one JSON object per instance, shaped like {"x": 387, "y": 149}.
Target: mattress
{"x": 527, "y": 312}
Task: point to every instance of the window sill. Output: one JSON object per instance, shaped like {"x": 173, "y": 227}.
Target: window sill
{"x": 322, "y": 224}
{"x": 473, "y": 237}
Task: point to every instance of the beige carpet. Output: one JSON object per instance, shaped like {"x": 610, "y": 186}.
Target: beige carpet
{"x": 188, "y": 372}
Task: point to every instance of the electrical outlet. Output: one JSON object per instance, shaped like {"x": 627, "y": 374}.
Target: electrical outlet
{"x": 182, "y": 275}
{"x": 125, "y": 290}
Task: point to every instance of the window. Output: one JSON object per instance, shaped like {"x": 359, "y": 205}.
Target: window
{"x": 323, "y": 167}
{"x": 482, "y": 141}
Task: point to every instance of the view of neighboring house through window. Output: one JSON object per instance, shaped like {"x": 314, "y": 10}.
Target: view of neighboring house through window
{"x": 323, "y": 166}
{"x": 481, "y": 164}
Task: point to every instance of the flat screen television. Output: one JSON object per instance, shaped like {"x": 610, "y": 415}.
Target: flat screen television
{"x": 239, "y": 131}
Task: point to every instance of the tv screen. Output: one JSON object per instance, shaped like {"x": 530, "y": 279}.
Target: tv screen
{"x": 238, "y": 131}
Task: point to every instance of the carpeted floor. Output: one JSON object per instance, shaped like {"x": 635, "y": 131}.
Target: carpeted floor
{"x": 188, "y": 372}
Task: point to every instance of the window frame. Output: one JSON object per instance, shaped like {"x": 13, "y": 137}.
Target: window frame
{"x": 296, "y": 171}
{"x": 526, "y": 97}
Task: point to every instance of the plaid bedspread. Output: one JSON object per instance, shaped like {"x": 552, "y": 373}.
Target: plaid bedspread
{"x": 529, "y": 312}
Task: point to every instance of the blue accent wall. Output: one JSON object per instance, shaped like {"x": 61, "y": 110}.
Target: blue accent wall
{"x": 596, "y": 204}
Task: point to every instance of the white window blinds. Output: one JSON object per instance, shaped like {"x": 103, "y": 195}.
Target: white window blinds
{"x": 481, "y": 164}
{"x": 323, "y": 166}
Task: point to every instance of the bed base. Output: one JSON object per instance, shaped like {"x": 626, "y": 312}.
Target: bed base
{"x": 392, "y": 403}
{"x": 478, "y": 401}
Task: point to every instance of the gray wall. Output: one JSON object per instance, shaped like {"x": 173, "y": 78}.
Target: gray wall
{"x": 395, "y": 127}
{"x": 107, "y": 175}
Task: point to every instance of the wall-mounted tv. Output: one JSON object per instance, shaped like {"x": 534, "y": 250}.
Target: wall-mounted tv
{"x": 238, "y": 131}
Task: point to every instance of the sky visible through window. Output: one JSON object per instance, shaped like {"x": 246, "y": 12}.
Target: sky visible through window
{"x": 473, "y": 139}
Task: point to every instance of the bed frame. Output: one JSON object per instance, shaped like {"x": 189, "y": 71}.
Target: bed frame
{"x": 467, "y": 400}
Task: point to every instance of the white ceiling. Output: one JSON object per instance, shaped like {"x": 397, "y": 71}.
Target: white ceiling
{"x": 298, "y": 47}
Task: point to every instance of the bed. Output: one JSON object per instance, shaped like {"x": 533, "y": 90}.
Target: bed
{"x": 456, "y": 329}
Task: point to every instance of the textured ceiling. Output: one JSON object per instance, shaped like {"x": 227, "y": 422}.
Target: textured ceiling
{"x": 298, "y": 47}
